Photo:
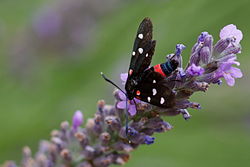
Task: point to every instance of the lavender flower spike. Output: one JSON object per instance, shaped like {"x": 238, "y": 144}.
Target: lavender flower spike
{"x": 77, "y": 119}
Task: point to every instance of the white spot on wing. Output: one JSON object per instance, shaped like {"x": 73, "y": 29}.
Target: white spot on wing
{"x": 154, "y": 81}
{"x": 154, "y": 91}
{"x": 149, "y": 99}
{"x": 140, "y": 36}
{"x": 140, "y": 50}
{"x": 162, "y": 100}
{"x": 133, "y": 53}
{"x": 147, "y": 55}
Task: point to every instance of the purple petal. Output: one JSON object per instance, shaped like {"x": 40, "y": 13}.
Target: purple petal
{"x": 121, "y": 105}
{"x": 124, "y": 76}
{"x": 231, "y": 31}
{"x": 132, "y": 110}
{"x": 137, "y": 100}
{"x": 202, "y": 37}
{"x": 121, "y": 95}
{"x": 235, "y": 72}
{"x": 149, "y": 140}
{"x": 77, "y": 119}
{"x": 229, "y": 79}
{"x": 194, "y": 70}
{"x": 179, "y": 49}
{"x": 225, "y": 66}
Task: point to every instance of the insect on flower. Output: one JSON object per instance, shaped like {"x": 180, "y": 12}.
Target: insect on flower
{"x": 144, "y": 83}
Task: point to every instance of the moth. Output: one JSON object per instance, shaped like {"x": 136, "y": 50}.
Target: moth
{"x": 148, "y": 84}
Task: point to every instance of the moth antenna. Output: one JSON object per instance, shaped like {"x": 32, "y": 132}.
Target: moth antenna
{"x": 111, "y": 82}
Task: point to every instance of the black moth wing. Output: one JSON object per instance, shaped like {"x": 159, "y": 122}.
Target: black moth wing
{"x": 143, "y": 48}
{"x": 154, "y": 89}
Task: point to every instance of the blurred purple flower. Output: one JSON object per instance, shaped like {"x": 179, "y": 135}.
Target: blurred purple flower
{"x": 149, "y": 140}
{"x": 124, "y": 77}
{"x": 77, "y": 119}
{"x": 228, "y": 72}
{"x": 131, "y": 104}
{"x": 48, "y": 24}
{"x": 230, "y": 31}
{"x": 194, "y": 70}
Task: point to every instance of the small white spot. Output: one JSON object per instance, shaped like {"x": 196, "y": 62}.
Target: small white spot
{"x": 147, "y": 55}
{"x": 133, "y": 53}
{"x": 140, "y": 50}
{"x": 140, "y": 36}
{"x": 154, "y": 81}
{"x": 162, "y": 100}
{"x": 149, "y": 99}
{"x": 154, "y": 91}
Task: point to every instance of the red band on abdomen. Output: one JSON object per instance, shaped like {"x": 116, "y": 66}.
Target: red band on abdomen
{"x": 158, "y": 69}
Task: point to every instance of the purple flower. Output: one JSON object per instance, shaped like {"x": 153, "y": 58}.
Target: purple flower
{"x": 124, "y": 77}
{"x": 77, "y": 119}
{"x": 130, "y": 103}
{"x": 179, "y": 48}
{"x": 202, "y": 37}
{"x": 149, "y": 140}
{"x": 47, "y": 24}
{"x": 230, "y": 31}
{"x": 228, "y": 72}
{"x": 194, "y": 70}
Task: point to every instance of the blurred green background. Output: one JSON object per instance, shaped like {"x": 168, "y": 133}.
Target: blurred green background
{"x": 52, "y": 53}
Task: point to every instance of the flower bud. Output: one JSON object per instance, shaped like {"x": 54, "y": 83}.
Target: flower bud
{"x": 178, "y": 49}
{"x": 149, "y": 140}
{"x": 82, "y": 138}
{"x": 41, "y": 159}
{"x": 9, "y": 164}
{"x": 208, "y": 42}
{"x": 221, "y": 45}
{"x": 77, "y": 119}
{"x": 185, "y": 114}
{"x": 234, "y": 49}
{"x": 120, "y": 146}
{"x": 26, "y": 151}
{"x": 121, "y": 159}
{"x": 58, "y": 142}
{"x": 205, "y": 55}
{"x": 113, "y": 122}
{"x": 202, "y": 37}
{"x": 65, "y": 125}
{"x": 65, "y": 154}
{"x": 103, "y": 161}
{"x": 89, "y": 152}
{"x": 105, "y": 138}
